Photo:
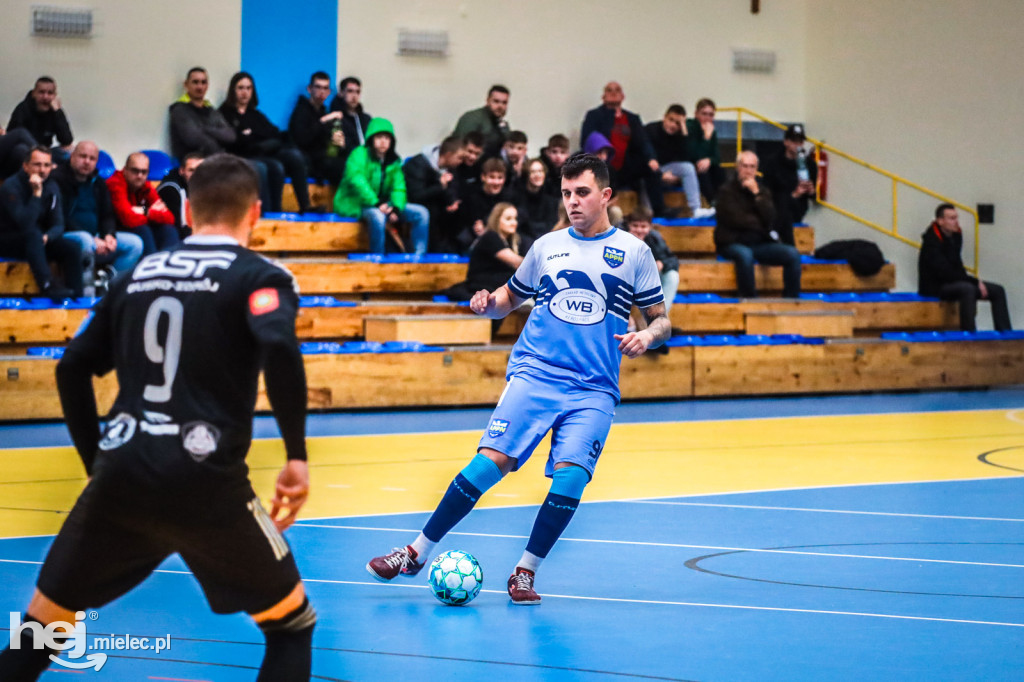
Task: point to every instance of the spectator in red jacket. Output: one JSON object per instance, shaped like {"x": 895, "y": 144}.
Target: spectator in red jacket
{"x": 139, "y": 208}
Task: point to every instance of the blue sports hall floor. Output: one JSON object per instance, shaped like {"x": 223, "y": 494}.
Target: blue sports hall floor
{"x": 839, "y": 538}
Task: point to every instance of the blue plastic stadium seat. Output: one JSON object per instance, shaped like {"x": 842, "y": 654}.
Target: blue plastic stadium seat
{"x": 160, "y": 163}
{"x": 684, "y": 222}
{"x": 105, "y": 165}
{"x": 46, "y": 351}
{"x": 323, "y": 302}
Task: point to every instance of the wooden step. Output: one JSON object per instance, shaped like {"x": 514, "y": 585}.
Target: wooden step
{"x": 477, "y": 376}
{"x": 339, "y": 275}
{"x": 429, "y": 329}
{"x": 869, "y": 316}
{"x": 319, "y": 195}
{"x": 700, "y": 239}
{"x": 16, "y": 279}
{"x": 720, "y": 276}
{"x": 813, "y": 323}
{"x": 280, "y": 235}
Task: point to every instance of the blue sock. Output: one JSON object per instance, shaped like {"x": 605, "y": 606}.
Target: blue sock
{"x": 557, "y": 510}
{"x": 469, "y": 484}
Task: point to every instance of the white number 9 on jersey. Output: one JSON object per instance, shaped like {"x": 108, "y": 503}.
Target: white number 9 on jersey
{"x": 168, "y": 354}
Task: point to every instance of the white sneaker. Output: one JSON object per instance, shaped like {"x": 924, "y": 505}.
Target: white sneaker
{"x": 704, "y": 213}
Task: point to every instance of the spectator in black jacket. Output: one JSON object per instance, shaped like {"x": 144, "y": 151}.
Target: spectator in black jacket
{"x": 14, "y": 146}
{"x": 41, "y": 114}
{"x": 538, "y": 210}
{"x": 173, "y": 190}
{"x": 639, "y": 225}
{"x": 791, "y": 177}
{"x": 495, "y": 255}
{"x": 467, "y": 175}
{"x": 744, "y": 232}
{"x": 633, "y": 166}
{"x": 318, "y": 132}
{"x": 32, "y": 226}
{"x": 554, "y": 155}
{"x": 668, "y": 137}
{"x": 354, "y": 120}
{"x": 430, "y": 182}
{"x": 941, "y": 272}
{"x": 257, "y": 139}
{"x": 89, "y": 215}
{"x": 479, "y": 201}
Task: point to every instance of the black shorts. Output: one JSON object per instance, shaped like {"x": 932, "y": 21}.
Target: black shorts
{"x": 111, "y": 543}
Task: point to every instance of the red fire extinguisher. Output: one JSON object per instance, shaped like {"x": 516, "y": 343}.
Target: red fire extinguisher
{"x": 822, "y": 174}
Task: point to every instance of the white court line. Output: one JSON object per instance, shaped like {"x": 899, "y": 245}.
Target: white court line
{"x": 682, "y": 546}
{"x": 826, "y": 511}
{"x": 696, "y": 604}
{"x": 656, "y": 602}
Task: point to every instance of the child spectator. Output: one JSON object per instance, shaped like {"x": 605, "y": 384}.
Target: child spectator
{"x": 373, "y": 189}
{"x": 480, "y": 200}
{"x": 554, "y": 156}
{"x": 638, "y": 222}
{"x": 703, "y": 145}
{"x": 539, "y": 208}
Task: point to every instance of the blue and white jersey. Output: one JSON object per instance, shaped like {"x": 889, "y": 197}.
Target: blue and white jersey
{"x": 584, "y": 288}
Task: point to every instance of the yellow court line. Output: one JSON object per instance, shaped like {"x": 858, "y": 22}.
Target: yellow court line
{"x": 385, "y": 474}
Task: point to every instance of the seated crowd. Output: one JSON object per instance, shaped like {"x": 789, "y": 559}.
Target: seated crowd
{"x": 476, "y": 193}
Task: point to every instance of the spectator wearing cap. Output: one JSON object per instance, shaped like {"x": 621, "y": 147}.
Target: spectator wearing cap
{"x": 791, "y": 176}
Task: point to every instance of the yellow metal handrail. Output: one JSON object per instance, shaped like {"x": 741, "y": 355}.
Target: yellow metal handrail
{"x": 896, "y": 182}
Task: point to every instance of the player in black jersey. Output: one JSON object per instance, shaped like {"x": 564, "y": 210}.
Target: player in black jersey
{"x": 187, "y": 331}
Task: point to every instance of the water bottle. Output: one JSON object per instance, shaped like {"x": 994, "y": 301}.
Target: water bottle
{"x": 801, "y": 167}
{"x": 333, "y": 149}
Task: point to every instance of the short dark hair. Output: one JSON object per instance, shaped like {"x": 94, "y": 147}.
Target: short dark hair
{"x": 582, "y": 162}
{"x": 45, "y": 79}
{"x": 191, "y": 156}
{"x": 319, "y": 76}
{"x": 344, "y": 82}
{"x": 475, "y": 138}
{"x": 193, "y": 70}
{"x": 942, "y": 208}
{"x": 38, "y": 148}
{"x": 231, "y": 101}
{"x": 493, "y": 165}
{"x": 452, "y": 143}
{"x": 640, "y": 214}
{"x": 497, "y": 88}
{"x": 677, "y": 109}
{"x": 559, "y": 141}
{"x": 222, "y": 190}
{"x": 705, "y": 102}
{"x": 518, "y": 137}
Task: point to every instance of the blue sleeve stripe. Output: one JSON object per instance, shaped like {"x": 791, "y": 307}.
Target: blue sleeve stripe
{"x": 647, "y": 294}
{"x": 518, "y": 289}
{"x": 649, "y": 301}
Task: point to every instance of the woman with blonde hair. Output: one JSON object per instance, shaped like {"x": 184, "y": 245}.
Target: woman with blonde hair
{"x": 495, "y": 254}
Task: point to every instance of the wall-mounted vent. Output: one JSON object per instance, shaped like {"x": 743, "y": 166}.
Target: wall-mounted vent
{"x": 753, "y": 61}
{"x": 61, "y": 22}
{"x": 422, "y": 43}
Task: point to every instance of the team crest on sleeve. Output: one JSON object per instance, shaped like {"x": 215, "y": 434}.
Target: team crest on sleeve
{"x": 263, "y": 301}
{"x": 497, "y": 428}
{"x": 614, "y": 257}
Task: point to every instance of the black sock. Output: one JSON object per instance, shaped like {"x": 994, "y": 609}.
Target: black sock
{"x": 26, "y": 663}
{"x": 289, "y": 651}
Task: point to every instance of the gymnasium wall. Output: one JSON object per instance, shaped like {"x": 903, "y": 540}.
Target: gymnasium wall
{"x": 117, "y": 85}
{"x": 930, "y": 91}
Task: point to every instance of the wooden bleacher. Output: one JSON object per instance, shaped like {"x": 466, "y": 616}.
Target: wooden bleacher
{"x": 316, "y": 250}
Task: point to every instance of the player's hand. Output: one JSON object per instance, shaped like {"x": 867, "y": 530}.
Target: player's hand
{"x": 634, "y": 344}
{"x": 290, "y": 493}
{"x": 482, "y": 302}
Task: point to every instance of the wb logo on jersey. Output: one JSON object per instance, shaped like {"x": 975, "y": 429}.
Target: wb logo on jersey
{"x": 572, "y": 297}
{"x": 182, "y": 264}
{"x": 497, "y": 428}
{"x": 614, "y": 257}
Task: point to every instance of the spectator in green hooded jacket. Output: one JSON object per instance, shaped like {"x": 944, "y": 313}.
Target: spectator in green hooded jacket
{"x": 373, "y": 189}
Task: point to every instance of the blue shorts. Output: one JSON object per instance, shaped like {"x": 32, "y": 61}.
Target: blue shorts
{"x": 579, "y": 421}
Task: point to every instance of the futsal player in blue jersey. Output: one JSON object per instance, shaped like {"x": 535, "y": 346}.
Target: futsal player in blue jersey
{"x": 563, "y": 374}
